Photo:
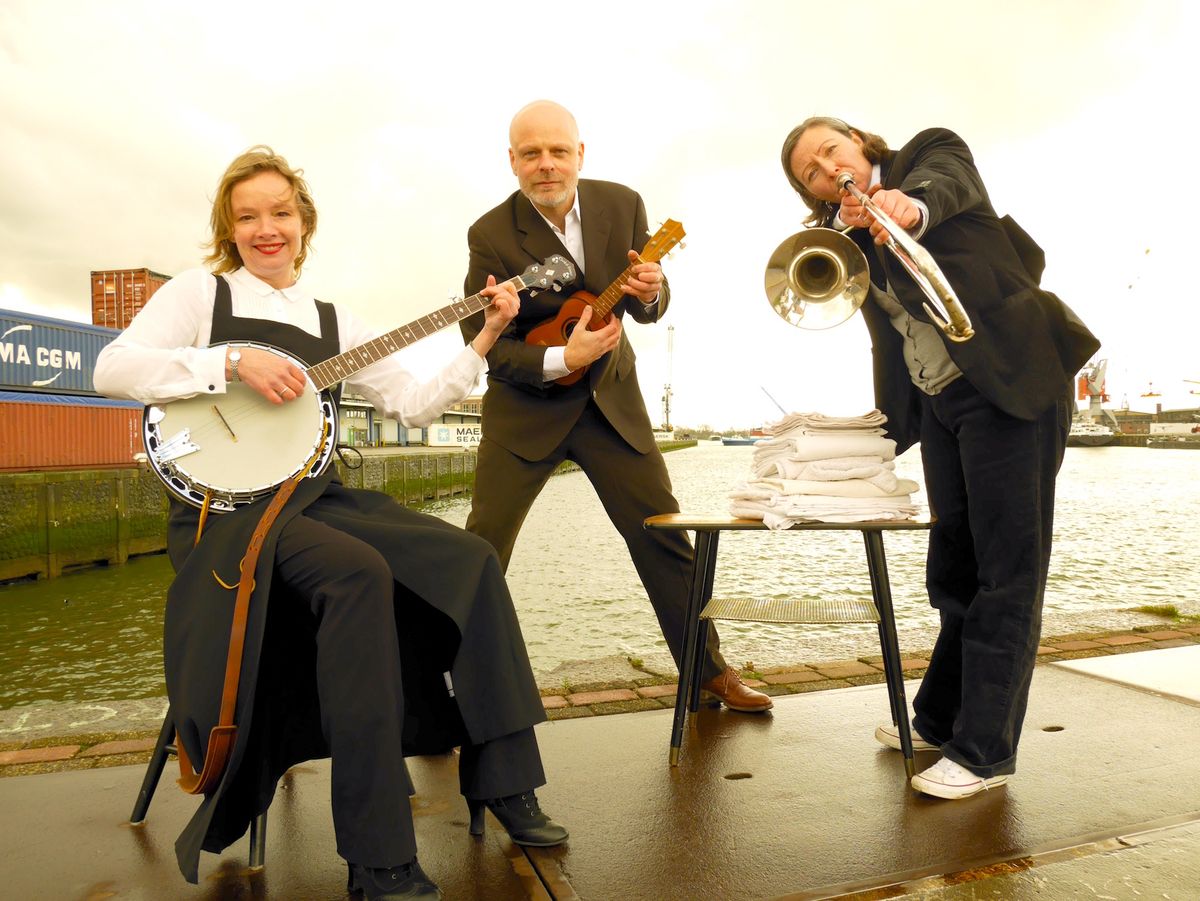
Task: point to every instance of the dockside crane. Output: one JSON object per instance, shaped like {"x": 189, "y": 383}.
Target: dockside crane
{"x": 1091, "y": 387}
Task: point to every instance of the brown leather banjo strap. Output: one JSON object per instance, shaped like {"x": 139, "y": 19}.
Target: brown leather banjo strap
{"x": 221, "y": 738}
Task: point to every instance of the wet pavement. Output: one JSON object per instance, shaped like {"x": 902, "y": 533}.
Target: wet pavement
{"x": 799, "y": 804}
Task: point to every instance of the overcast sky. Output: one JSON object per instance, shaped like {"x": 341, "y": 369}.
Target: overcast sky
{"x": 117, "y": 118}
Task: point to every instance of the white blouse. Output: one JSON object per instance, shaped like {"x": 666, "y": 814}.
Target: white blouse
{"x": 164, "y": 355}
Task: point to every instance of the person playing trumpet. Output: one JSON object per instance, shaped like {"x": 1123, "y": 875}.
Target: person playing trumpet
{"x": 991, "y": 415}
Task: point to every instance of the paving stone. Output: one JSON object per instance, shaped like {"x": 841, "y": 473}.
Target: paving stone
{"x": 1042, "y": 649}
{"x": 626, "y": 706}
{"x": 1175, "y": 643}
{"x": 127, "y": 746}
{"x": 586, "y": 698}
{"x": 841, "y": 671}
{"x": 913, "y": 664}
{"x": 658, "y": 691}
{"x": 1165, "y": 634}
{"x": 793, "y": 678}
{"x": 1080, "y": 645}
{"x": 867, "y": 680}
{"x": 38, "y": 755}
{"x": 1098, "y": 651}
{"x": 553, "y": 702}
{"x": 1118, "y": 640}
{"x": 823, "y": 685}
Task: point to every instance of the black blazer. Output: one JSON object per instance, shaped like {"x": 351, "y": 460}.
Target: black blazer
{"x": 521, "y": 412}
{"x": 1028, "y": 344}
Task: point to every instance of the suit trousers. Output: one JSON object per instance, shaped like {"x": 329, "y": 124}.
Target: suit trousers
{"x": 351, "y": 595}
{"x": 630, "y": 485}
{"x": 990, "y": 479}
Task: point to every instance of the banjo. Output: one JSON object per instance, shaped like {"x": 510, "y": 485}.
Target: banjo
{"x": 227, "y": 451}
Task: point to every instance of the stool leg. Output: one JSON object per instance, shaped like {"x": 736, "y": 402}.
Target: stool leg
{"x": 258, "y": 842}
{"x": 706, "y": 548}
{"x": 154, "y": 770}
{"x": 889, "y": 645}
{"x": 701, "y": 651}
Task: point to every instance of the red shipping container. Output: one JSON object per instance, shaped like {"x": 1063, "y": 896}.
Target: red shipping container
{"x": 59, "y": 432}
{"x": 118, "y": 294}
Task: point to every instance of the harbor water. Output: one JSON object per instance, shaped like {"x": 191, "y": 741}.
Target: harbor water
{"x": 1123, "y": 539}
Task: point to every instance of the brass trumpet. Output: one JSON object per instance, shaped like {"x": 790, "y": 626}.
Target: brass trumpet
{"x": 817, "y": 278}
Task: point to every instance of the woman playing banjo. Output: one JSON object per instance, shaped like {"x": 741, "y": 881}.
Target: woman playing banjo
{"x": 360, "y": 588}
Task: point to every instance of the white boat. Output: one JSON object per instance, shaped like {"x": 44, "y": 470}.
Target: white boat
{"x": 1087, "y": 433}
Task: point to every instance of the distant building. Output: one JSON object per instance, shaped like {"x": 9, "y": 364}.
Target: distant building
{"x": 361, "y": 425}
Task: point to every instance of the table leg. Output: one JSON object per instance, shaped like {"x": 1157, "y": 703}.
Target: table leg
{"x": 889, "y": 644}
{"x": 703, "y": 565}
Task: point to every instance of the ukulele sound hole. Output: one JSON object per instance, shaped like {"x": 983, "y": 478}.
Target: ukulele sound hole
{"x": 570, "y": 327}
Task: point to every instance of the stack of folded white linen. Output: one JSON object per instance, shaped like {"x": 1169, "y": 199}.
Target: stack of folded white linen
{"x": 818, "y": 468}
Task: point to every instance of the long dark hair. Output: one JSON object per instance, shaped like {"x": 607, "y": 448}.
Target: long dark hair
{"x": 874, "y": 148}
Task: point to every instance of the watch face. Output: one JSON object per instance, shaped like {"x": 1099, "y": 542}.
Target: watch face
{"x": 235, "y": 356}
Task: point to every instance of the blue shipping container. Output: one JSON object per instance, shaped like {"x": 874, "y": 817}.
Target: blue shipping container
{"x": 54, "y": 356}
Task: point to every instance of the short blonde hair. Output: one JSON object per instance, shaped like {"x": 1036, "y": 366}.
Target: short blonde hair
{"x": 224, "y": 253}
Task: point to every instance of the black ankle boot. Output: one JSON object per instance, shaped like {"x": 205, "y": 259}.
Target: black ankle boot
{"x": 521, "y": 817}
{"x": 406, "y": 882}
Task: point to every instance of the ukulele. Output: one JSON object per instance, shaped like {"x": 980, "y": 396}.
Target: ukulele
{"x": 555, "y": 332}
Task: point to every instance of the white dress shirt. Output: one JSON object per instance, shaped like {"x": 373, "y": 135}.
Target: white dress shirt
{"x": 164, "y": 355}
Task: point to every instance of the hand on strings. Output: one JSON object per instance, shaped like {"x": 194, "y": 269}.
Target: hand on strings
{"x": 275, "y": 378}
{"x": 584, "y": 346}
{"x": 504, "y": 307}
{"x": 646, "y": 280}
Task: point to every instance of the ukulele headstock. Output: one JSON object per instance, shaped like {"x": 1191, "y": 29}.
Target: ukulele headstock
{"x": 663, "y": 241}
{"x": 549, "y": 275}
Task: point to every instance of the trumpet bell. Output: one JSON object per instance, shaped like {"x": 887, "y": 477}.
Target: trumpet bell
{"x": 817, "y": 279}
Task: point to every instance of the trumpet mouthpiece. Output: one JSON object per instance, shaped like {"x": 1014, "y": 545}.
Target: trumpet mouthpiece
{"x": 845, "y": 179}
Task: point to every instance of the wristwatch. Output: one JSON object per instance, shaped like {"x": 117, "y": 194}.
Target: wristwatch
{"x": 235, "y": 357}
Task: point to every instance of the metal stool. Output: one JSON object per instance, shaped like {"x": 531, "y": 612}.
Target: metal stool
{"x": 164, "y": 748}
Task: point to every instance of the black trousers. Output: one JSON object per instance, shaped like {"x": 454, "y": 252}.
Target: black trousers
{"x": 630, "y": 485}
{"x": 350, "y": 592}
{"x": 990, "y": 479}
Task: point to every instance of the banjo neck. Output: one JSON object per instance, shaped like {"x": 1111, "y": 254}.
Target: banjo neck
{"x": 337, "y": 369}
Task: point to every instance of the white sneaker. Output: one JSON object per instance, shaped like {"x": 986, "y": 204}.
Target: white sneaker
{"x": 889, "y": 736}
{"x": 946, "y": 779}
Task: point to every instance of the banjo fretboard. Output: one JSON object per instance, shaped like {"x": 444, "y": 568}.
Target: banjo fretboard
{"x": 338, "y": 369}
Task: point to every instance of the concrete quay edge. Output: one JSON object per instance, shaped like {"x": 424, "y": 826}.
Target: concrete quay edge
{"x": 132, "y": 743}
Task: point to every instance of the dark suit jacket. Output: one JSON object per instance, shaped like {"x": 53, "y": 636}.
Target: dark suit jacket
{"x": 1028, "y": 344}
{"x": 520, "y": 412}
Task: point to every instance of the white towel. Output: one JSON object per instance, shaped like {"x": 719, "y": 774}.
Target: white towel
{"x": 846, "y": 488}
{"x": 828, "y": 447}
{"x": 874, "y": 470}
{"x": 787, "y": 512}
{"x": 872, "y": 420}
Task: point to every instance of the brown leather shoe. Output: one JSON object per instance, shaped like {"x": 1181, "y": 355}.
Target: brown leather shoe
{"x": 736, "y": 694}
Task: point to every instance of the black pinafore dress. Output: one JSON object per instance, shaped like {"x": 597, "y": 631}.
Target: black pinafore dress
{"x": 464, "y": 623}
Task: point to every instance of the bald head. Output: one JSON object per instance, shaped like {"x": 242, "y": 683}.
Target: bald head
{"x": 542, "y": 114}
{"x": 546, "y": 155}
